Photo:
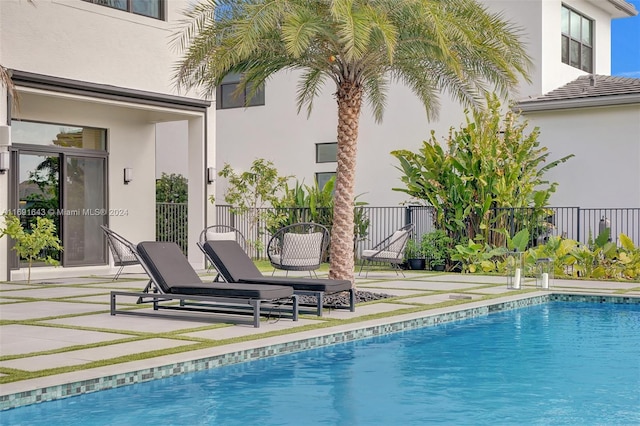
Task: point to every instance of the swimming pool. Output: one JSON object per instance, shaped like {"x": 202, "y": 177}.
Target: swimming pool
{"x": 560, "y": 363}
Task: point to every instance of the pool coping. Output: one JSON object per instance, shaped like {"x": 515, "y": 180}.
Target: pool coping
{"x": 76, "y": 383}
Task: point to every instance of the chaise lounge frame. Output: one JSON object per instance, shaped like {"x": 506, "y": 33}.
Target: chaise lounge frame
{"x": 235, "y": 266}
{"x": 157, "y": 292}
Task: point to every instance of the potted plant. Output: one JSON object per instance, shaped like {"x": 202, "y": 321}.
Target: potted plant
{"x": 436, "y": 248}
{"x": 414, "y": 256}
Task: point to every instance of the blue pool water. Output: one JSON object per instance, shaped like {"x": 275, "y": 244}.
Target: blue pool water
{"x": 558, "y": 363}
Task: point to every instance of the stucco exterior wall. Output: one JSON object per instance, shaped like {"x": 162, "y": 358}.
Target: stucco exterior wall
{"x": 276, "y": 132}
{"x": 94, "y": 44}
{"x": 88, "y": 42}
{"x": 605, "y": 171}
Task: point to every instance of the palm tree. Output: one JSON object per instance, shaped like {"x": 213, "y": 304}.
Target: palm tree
{"x": 362, "y": 46}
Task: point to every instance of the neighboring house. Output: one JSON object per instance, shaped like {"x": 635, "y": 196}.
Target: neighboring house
{"x": 596, "y": 118}
{"x": 565, "y": 39}
{"x": 93, "y": 80}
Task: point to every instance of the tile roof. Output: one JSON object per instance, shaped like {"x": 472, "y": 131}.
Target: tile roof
{"x": 589, "y": 89}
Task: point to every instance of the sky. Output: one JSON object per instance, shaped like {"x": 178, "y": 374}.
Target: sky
{"x": 625, "y": 45}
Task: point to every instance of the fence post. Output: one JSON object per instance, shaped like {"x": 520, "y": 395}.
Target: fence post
{"x": 408, "y": 215}
{"x": 578, "y": 223}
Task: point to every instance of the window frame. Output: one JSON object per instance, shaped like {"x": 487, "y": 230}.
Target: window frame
{"x": 329, "y": 174}
{"x": 258, "y": 98}
{"x": 129, "y": 8}
{"x": 585, "y": 47}
{"x": 318, "y": 145}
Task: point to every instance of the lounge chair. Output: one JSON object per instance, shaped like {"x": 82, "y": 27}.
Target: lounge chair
{"x": 298, "y": 247}
{"x": 235, "y": 266}
{"x": 175, "y": 279}
{"x": 119, "y": 246}
{"x": 222, "y": 232}
{"x": 390, "y": 250}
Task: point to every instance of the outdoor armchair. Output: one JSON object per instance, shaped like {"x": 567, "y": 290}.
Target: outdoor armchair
{"x": 120, "y": 250}
{"x": 298, "y": 247}
{"x": 390, "y": 250}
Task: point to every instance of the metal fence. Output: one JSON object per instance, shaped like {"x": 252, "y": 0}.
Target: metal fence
{"x": 580, "y": 224}
{"x": 171, "y": 224}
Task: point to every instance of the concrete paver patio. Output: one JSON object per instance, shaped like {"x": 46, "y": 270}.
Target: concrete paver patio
{"x": 60, "y": 332}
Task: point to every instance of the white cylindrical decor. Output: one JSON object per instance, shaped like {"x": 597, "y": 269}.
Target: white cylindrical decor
{"x": 516, "y": 279}
{"x": 545, "y": 280}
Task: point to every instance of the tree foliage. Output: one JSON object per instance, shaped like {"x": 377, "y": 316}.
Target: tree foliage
{"x": 360, "y": 46}
{"x": 249, "y": 192}
{"x": 32, "y": 244}
{"x": 172, "y": 188}
{"x": 488, "y": 164}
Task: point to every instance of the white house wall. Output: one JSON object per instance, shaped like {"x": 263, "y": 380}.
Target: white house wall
{"x": 90, "y": 43}
{"x": 276, "y": 132}
{"x": 606, "y": 143}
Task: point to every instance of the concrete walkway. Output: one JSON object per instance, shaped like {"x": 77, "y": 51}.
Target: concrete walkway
{"x": 57, "y": 337}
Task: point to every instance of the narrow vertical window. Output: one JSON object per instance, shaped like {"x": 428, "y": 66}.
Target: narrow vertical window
{"x": 576, "y": 40}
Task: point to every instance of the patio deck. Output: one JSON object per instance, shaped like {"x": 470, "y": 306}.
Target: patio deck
{"x": 57, "y": 338}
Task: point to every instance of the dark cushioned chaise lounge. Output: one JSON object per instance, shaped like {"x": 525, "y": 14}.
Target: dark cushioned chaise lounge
{"x": 175, "y": 279}
{"x": 235, "y": 266}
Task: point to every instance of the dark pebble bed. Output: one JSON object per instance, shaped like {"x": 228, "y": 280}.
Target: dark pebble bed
{"x": 342, "y": 299}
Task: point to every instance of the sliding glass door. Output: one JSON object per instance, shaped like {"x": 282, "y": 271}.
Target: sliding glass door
{"x": 84, "y": 210}
{"x": 61, "y": 174}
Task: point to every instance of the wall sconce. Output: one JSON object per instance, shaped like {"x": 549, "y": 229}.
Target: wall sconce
{"x": 211, "y": 174}
{"x": 5, "y": 159}
{"x": 128, "y": 175}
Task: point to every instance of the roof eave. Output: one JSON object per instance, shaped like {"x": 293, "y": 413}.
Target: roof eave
{"x": 550, "y": 105}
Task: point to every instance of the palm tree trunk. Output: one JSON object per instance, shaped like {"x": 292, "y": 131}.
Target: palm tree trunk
{"x": 349, "y": 99}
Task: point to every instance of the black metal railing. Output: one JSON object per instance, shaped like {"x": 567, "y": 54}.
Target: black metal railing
{"x": 580, "y": 224}
{"x": 171, "y": 224}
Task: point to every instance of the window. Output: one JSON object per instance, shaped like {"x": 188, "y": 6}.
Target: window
{"x": 60, "y": 135}
{"x": 226, "y": 96}
{"x": 324, "y": 177}
{"x": 577, "y": 40}
{"x": 150, "y": 8}
{"x": 327, "y": 152}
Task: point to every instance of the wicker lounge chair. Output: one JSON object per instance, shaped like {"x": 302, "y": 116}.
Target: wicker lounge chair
{"x": 174, "y": 278}
{"x": 235, "y": 266}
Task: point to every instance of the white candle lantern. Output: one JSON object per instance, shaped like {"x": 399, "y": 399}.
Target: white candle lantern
{"x": 544, "y": 273}
{"x": 515, "y": 270}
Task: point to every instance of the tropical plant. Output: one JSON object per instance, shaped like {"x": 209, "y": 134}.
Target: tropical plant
{"x": 413, "y": 250}
{"x": 32, "y": 244}
{"x": 489, "y": 164}
{"x": 172, "y": 188}
{"x": 361, "y": 46}
{"x": 477, "y": 257}
{"x": 436, "y": 247}
{"x": 252, "y": 190}
{"x": 304, "y": 203}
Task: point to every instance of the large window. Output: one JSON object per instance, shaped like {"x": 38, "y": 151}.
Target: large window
{"x": 150, "y": 8}
{"x": 227, "y": 97}
{"x": 577, "y": 40}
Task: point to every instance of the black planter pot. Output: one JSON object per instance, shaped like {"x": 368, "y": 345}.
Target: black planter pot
{"x": 416, "y": 264}
{"x": 438, "y": 268}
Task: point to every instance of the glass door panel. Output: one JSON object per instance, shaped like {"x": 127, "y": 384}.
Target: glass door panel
{"x": 39, "y": 190}
{"x": 85, "y": 211}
